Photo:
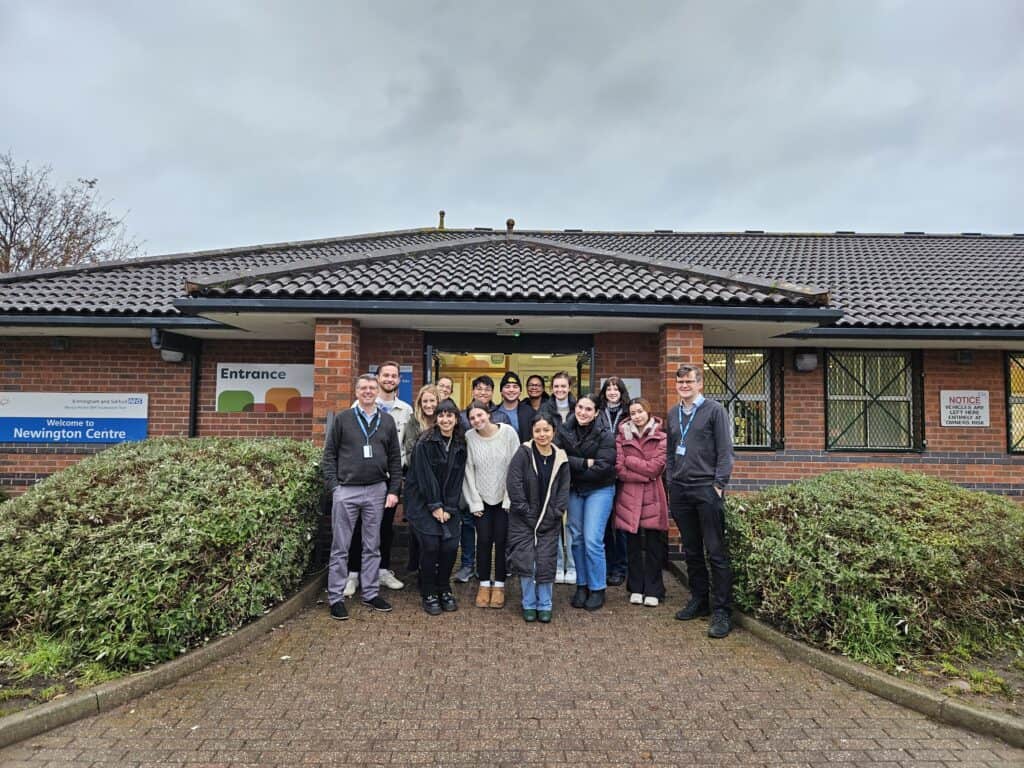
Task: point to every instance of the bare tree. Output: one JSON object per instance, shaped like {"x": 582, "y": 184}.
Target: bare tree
{"x": 42, "y": 226}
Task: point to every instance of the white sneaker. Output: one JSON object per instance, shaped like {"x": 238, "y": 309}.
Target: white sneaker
{"x": 389, "y": 580}
{"x": 570, "y": 576}
{"x": 351, "y": 584}
{"x": 559, "y": 577}
{"x": 636, "y": 599}
{"x": 650, "y": 602}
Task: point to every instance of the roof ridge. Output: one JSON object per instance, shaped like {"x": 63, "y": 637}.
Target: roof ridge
{"x": 172, "y": 258}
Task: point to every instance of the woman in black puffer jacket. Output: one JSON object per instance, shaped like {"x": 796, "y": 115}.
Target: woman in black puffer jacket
{"x": 590, "y": 447}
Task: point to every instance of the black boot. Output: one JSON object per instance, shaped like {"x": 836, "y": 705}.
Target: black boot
{"x": 696, "y": 607}
{"x": 579, "y": 599}
{"x": 595, "y": 601}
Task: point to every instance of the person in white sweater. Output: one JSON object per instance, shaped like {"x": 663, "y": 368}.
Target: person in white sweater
{"x": 491, "y": 448}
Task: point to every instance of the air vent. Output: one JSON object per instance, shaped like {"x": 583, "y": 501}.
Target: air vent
{"x": 484, "y": 229}
{"x": 663, "y": 231}
{"x": 970, "y": 234}
{"x": 753, "y": 231}
{"x": 572, "y": 230}
{"x": 845, "y": 232}
{"x": 912, "y": 232}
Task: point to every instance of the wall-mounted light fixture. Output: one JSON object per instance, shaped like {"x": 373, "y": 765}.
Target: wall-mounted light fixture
{"x": 805, "y": 360}
{"x": 173, "y": 347}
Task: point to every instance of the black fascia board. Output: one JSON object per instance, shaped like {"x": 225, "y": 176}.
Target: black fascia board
{"x": 558, "y": 308}
{"x": 939, "y": 334}
{"x": 101, "y": 321}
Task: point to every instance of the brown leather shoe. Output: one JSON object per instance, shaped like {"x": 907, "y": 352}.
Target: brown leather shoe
{"x": 497, "y": 597}
{"x": 483, "y": 597}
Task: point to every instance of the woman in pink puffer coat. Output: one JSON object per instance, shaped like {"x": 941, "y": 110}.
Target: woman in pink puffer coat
{"x": 641, "y": 507}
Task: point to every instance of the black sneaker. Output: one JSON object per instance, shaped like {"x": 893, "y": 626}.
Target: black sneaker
{"x": 595, "y": 600}
{"x": 339, "y": 611}
{"x": 378, "y": 604}
{"x": 448, "y": 602}
{"x": 721, "y": 624}
{"x": 696, "y": 607}
{"x": 579, "y": 598}
{"x": 432, "y": 605}
{"x": 616, "y": 579}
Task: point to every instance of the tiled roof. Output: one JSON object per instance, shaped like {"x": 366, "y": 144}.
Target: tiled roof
{"x": 508, "y": 268}
{"x": 922, "y": 281}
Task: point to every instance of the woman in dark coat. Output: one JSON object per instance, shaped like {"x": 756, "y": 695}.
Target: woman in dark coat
{"x": 612, "y": 410}
{"x": 641, "y": 507}
{"x": 538, "y": 488}
{"x": 433, "y": 488}
{"x": 591, "y": 451}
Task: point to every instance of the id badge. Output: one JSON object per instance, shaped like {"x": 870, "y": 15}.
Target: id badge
{"x": 367, "y": 451}
{"x": 680, "y": 450}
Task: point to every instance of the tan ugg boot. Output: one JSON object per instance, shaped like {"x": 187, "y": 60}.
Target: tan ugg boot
{"x": 483, "y": 597}
{"x": 497, "y": 597}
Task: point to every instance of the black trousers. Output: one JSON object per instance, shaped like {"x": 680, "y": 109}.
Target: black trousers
{"x": 491, "y": 538}
{"x": 646, "y": 550}
{"x": 437, "y": 557}
{"x": 387, "y": 535}
{"x": 699, "y": 512}
{"x": 615, "y": 548}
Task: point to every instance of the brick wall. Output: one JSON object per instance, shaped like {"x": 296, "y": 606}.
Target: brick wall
{"x": 403, "y": 346}
{"x": 630, "y": 355}
{"x": 211, "y": 423}
{"x": 336, "y": 346}
{"x": 87, "y": 365}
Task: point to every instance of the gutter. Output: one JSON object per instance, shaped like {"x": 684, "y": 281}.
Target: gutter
{"x": 952, "y": 334}
{"x": 581, "y": 309}
{"x": 104, "y": 321}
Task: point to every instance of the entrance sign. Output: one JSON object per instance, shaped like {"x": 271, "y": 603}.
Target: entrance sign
{"x": 73, "y": 417}
{"x": 964, "y": 407}
{"x": 263, "y": 388}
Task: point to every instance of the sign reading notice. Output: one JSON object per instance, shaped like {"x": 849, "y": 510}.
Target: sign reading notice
{"x": 964, "y": 407}
{"x": 258, "y": 388}
{"x": 73, "y": 417}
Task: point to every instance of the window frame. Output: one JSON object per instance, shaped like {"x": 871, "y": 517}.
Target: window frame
{"x": 914, "y": 398}
{"x": 773, "y": 399}
{"x": 1013, "y": 359}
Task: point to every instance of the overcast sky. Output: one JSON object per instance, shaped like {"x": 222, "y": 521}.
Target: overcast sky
{"x": 218, "y": 124}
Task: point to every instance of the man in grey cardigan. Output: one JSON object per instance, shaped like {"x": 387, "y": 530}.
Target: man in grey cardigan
{"x": 362, "y": 468}
{"x": 699, "y": 463}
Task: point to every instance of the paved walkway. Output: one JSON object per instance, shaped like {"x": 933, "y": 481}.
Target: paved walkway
{"x": 625, "y": 686}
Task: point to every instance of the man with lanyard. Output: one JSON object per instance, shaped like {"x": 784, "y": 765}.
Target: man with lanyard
{"x": 699, "y": 463}
{"x": 362, "y": 469}
{"x": 388, "y": 401}
{"x": 519, "y": 414}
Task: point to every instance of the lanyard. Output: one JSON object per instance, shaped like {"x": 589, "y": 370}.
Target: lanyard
{"x": 693, "y": 415}
{"x": 362, "y": 425}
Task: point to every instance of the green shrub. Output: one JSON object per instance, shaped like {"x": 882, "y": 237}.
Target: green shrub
{"x": 146, "y": 549}
{"x": 882, "y": 565}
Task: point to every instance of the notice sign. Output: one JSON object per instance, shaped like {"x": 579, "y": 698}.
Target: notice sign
{"x": 260, "y": 388}
{"x": 73, "y": 417}
{"x": 964, "y": 407}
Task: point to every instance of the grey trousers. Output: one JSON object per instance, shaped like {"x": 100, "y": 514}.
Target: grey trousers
{"x": 349, "y": 504}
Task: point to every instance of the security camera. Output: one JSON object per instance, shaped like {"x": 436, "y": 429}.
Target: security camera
{"x": 512, "y": 321}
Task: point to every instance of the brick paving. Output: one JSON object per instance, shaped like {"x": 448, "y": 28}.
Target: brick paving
{"x": 625, "y": 686}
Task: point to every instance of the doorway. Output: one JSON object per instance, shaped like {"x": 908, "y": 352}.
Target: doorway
{"x": 463, "y": 357}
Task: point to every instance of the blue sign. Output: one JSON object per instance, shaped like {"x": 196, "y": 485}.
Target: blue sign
{"x": 73, "y": 417}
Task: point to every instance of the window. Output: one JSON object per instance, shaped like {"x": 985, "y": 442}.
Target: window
{"x": 746, "y": 382}
{"x": 873, "y": 400}
{"x": 1015, "y": 400}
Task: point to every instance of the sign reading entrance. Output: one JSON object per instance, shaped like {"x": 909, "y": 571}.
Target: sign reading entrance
{"x": 261, "y": 388}
{"x": 964, "y": 407}
{"x": 73, "y": 417}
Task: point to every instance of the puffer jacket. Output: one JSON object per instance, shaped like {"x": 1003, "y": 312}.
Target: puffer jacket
{"x": 582, "y": 443}
{"x": 535, "y": 515}
{"x": 640, "y": 463}
{"x": 435, "y": 480}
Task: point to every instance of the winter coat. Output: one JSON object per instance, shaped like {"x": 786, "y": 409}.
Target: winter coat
{"x": 535, "y": 516}
{"x": 435, "y": 480}
{"x": 550, "y": 409}
{"x": 524, "y": 414}
{"x": 640, "y": 462}
{"x": 598, "y": 444}
{"x": 412, "y": 433}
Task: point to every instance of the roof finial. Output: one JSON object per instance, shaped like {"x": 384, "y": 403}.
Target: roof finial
{"x": 440, "y": 216}
{"x": 510, "y": 224}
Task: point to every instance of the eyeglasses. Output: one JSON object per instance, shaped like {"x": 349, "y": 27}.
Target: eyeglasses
{"x": 689, "y": 382}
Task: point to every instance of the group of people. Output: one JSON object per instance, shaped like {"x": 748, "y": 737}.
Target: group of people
{"x": 546, "y": 488}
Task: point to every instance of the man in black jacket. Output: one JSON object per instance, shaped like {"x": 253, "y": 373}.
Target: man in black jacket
{"x": 362, "y": 468}
{"x": 699, "y": 463}
{"x": 518, "y": 413}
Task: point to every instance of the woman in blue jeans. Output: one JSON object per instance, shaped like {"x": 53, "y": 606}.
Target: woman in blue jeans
{"x": 590, "y": 447}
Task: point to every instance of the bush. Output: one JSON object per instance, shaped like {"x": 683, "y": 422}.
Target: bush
{"x": 882, "y": 566}
{"x": 146, "y": 549}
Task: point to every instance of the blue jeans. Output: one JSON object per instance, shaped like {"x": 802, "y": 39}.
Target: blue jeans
{"x": 536, "y": 596}
{"x": 588, "y": 516}
{"x": 565, "y": 561}
{"x": 467, "y": 541}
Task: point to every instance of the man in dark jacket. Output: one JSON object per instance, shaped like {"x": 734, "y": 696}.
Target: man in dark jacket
{"x": 698, "y": 465}
{"x": 362, "y": 468}
{"x": 519, "y": 414}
